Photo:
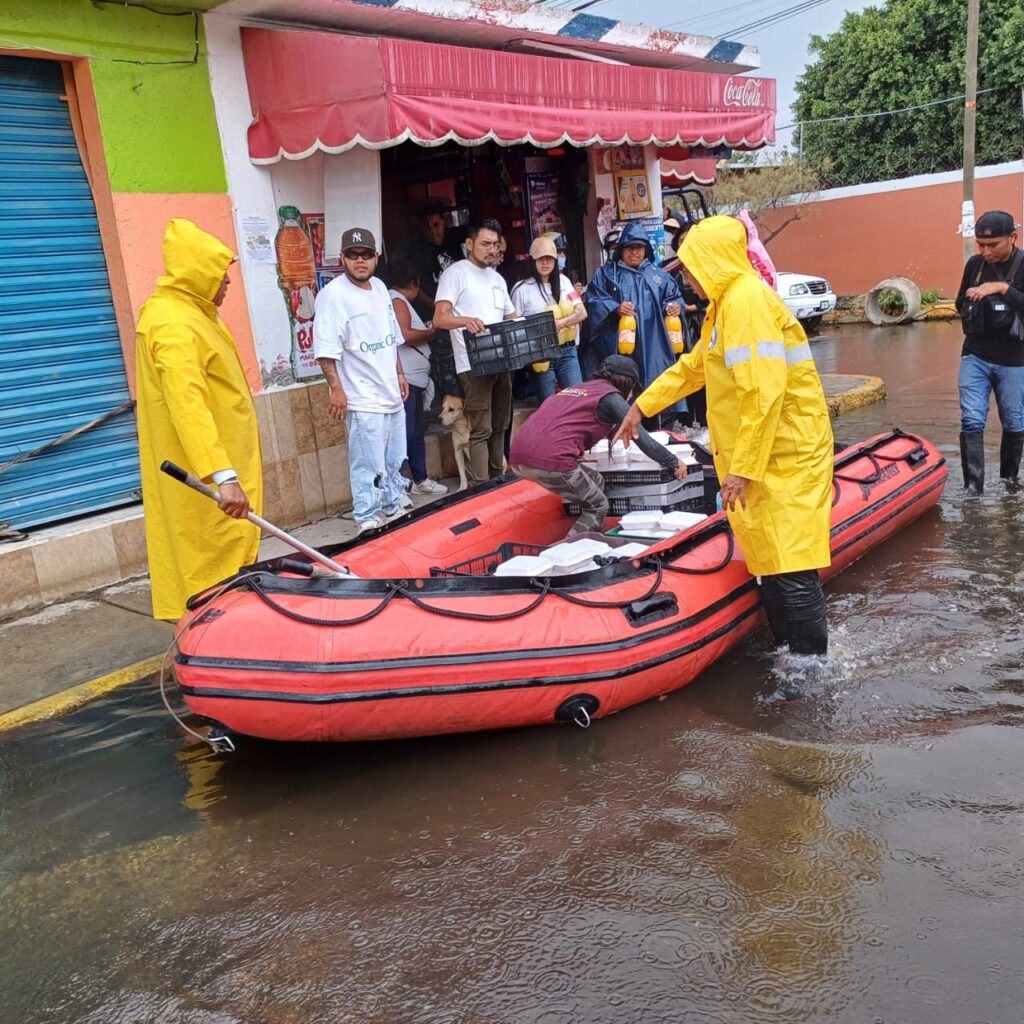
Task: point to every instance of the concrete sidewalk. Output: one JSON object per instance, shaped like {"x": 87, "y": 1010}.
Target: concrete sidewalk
{"x": 74, "y": 650}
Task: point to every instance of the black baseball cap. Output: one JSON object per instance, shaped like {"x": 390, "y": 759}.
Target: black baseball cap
{"x": 621, "y": 366}
{"x": 994, "y": 224}
{"x": 358, "y": 238}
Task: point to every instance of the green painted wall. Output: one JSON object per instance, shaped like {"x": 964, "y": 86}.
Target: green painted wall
{"x": 158, "y": 123}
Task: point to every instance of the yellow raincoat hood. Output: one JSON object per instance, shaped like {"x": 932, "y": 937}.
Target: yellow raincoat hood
{"x": 195, "y": 261}
{"x": 766, "y": 408}
{"x": 715, "y": 253}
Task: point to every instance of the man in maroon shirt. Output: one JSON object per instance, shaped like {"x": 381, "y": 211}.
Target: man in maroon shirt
{"x": 548, "y": 447}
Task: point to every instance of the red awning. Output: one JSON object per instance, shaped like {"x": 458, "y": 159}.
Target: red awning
{"x": 312, "y": 90}
{"x": 688, "y": 172}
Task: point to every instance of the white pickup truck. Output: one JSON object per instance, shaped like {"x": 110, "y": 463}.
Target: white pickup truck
{"x": 809, "y": 298}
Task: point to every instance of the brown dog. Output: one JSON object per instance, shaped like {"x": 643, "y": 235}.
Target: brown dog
{"x": 453, "y": 415}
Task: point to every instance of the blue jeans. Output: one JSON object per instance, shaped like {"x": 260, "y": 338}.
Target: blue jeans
{"x": 566, "y": 368}
{"x": 977, "y": 380}
{"x": 376, "y": 451}
{"x": 415, "y": 431}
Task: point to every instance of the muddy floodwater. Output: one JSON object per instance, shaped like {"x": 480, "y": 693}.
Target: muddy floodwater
{"x": 718, "y": 856}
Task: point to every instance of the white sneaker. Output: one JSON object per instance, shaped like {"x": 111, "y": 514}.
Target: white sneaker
{"x": 405, "y": 501}
{"x": 429, "y": 486}
{"x": 368, "y": 525}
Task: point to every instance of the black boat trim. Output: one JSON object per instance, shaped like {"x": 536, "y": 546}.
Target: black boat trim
{"x": 454, "y": 689}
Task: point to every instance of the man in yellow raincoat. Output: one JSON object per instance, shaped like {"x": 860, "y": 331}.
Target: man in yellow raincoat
{"x": 770, "y": 428}
{"x": 194, "y": 408}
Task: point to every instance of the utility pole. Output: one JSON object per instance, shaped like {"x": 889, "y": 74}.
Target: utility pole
{"x": 970, "y": 125}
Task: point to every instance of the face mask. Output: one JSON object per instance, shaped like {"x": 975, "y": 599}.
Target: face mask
{"x": 561, "y": 263}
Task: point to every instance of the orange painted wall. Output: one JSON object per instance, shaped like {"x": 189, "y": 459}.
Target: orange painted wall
{"x": 856, "y": 241}
{"x": 141, "y": 221}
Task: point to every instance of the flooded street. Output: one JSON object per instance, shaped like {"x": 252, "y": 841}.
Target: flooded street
{"x": 718, "y": 856}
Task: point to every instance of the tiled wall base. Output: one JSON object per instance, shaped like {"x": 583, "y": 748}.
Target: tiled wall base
{"x": 305, "y": 475}
{"x": 69, "y": 559}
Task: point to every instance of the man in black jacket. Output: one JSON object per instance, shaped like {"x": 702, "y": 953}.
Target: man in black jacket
{"x": 991, "y": 306}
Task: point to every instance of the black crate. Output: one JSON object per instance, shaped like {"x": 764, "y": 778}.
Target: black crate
{"x": 512, "y": 344}
{"x": 641, "y": 478}
{"x": 484, "y": 565}
{"x": 646, "y": 477}
{"x": 620, "y": 506}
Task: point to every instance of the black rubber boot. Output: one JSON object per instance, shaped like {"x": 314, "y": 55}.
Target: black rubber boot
{"x": 775, "y": 609}
{"x": 1010, "y": 449}
{"x": 799, "y": 599}
{"x": 972, "y": 458}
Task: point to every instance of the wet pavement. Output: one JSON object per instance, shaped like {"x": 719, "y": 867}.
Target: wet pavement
{"x": 718, "y": 856}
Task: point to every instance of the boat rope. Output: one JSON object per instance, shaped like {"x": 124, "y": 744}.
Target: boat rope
{"x": 730, "y": 549}
{"x": 625, "y": 602}
{"x": 451, "y": 613}
{"x": 256, "y": 585}
{"x": 216, "y": 743}
{"x": 877, "y": 458}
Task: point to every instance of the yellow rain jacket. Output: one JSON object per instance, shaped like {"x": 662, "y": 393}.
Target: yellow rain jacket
{"x": 766, "y": 408}
{"x": 194, "y": 408}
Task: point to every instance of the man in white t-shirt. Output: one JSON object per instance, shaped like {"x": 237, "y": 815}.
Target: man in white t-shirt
{"x": 470, "y": 295}
{"x": 355, "y": 341}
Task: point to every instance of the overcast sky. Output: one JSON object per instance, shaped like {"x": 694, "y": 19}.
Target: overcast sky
{"x": 783, "y": 46}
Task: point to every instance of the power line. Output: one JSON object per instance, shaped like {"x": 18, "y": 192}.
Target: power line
{"x": 886, "y": 113}
{"x": 778, "y": 17}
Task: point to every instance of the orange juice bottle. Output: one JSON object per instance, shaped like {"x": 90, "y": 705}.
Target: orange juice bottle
{"x": 295, "y": 266}
{"x": 627, "y": 335}
{"x": 541, "y": 367}
{"x": 674, "y": 326}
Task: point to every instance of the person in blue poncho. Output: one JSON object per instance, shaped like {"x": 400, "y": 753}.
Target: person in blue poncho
{"x": 630, "y": 284}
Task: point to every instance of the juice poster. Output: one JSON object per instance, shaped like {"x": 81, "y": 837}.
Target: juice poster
{"x": 296, "y": 276}
{"x": 542, "y": 203}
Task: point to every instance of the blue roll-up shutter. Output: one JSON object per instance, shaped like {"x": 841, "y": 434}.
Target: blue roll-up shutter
{"x": 61, "y": 363}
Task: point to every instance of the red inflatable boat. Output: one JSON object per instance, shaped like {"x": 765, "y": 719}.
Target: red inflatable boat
{"x": 426, "y": 641}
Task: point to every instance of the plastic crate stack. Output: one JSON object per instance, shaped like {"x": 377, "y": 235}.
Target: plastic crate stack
{"x": 633, "y": 483}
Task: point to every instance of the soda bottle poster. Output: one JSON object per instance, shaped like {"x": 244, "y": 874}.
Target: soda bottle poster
{"x": 296, "y": 276}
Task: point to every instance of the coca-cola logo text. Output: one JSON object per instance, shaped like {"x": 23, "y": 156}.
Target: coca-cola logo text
{"x": 742, "y": 92}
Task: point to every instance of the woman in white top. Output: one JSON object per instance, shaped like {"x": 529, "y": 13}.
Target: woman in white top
{"x": 547, "y": 286}
{"x": 414, "y": 355}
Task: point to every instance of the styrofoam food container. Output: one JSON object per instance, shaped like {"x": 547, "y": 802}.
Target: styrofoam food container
{"x": 641, "y": 518}
{"x": 570, "y": 552}
{"x": 524, "y": 565}
{"x": 630, "y": 550}
{"x": 681, "y": 520}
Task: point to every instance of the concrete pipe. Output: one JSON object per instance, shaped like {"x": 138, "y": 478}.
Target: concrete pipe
{"x": 879, "y": 307}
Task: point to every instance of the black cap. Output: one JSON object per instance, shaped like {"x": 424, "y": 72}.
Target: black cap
{"x": 358, "y": 238}
{"x": 621, "y": 366}
{"x": 994, "y": 224}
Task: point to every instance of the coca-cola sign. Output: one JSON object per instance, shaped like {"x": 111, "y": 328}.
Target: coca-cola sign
{"x": 742, "y": 92}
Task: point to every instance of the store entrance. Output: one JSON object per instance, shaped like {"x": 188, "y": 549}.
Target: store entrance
{"x": 529, "y": 191}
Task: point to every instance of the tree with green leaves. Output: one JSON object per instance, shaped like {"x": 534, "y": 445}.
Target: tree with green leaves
{"x": 908, "y": 53}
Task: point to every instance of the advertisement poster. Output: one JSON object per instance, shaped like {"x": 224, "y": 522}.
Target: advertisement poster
{"x": 257, "y": 237}
{"x": 542, "y": 203}
{"x": 296, "y": 276}
{"x": 628, "y": 158}
{"x": 633, "y": 195}
{"x": 314, "y": 224}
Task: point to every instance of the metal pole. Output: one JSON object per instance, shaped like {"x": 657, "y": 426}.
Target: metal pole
{"x": 186, "y": 478}
{"x": 970, "y": 125}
